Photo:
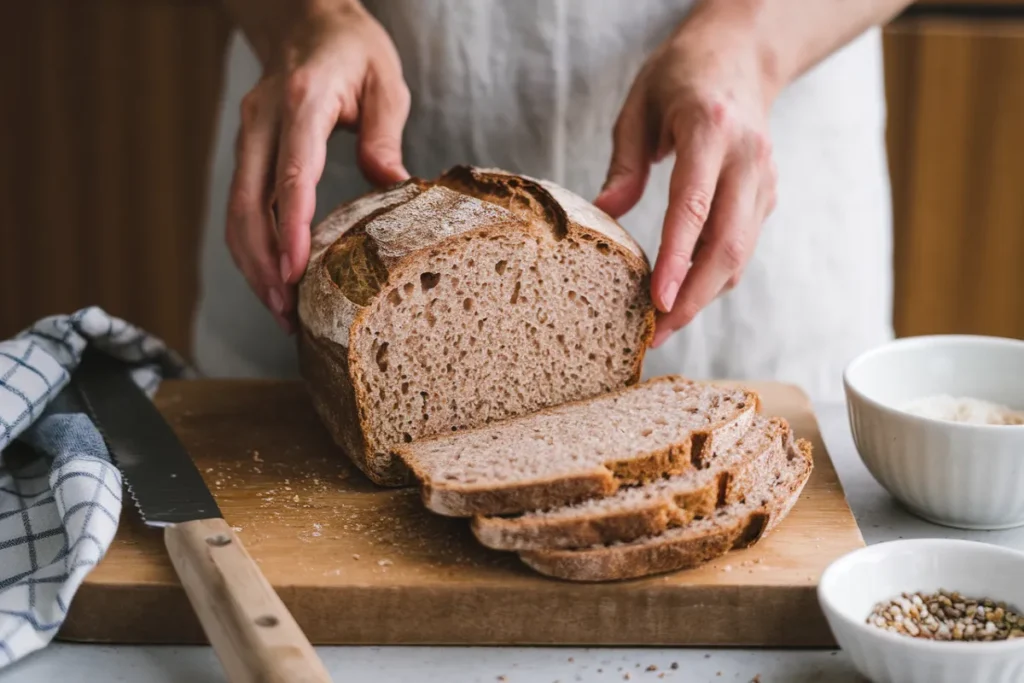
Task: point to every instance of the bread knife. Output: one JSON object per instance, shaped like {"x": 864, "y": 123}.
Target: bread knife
{"x": 251, "y": 631}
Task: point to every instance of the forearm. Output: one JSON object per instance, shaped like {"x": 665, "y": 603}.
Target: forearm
{"x": 794, "y": 35}
{"x": 266, "y": 22}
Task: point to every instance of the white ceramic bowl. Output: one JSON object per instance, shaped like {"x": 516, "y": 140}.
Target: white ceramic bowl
{"x": 852, "y": 585}
{"x": 956, "y": 474}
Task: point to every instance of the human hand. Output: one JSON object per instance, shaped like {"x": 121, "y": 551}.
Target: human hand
{"x": 704, "y": 95}
{"x": 333, "y": 67}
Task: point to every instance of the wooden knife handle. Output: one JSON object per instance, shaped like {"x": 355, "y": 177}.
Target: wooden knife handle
{"x": 253, "y": 634}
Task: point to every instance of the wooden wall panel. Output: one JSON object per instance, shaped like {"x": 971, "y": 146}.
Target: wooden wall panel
{"x": 956, "y": 142}
{"x": 108, "y": 116}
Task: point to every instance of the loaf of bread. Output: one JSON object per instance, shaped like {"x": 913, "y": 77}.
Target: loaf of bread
{"x": 730, "y": 527}
{"x": 580, "y": 450}
{"x": 637, "y": 511}
{"x": 437, "y": 306}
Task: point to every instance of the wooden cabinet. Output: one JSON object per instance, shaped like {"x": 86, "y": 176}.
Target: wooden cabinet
{"x": 109, "y": 108}
{"x": 956, "y": 146}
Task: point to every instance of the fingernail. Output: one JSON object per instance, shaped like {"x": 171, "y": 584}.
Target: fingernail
{"x": 668, "y": 295}
{"x": 286, "y": 267}
{"x": 276, "y": 302}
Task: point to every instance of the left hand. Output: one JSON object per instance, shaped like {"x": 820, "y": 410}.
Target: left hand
{"x": 704, "y": 95}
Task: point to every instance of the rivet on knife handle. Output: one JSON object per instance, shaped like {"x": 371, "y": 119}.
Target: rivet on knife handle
{"x": 253, "y": 633}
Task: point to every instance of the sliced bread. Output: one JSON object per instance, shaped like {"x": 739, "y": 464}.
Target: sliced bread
{"x": 734, "y": 526}
{"x": 580, "y": 450}
{"x": 436, "y": 306}
{"x": 649, "y": 509}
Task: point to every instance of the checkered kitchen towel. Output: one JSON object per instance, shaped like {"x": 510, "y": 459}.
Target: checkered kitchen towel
{"x": 60, "y": 494}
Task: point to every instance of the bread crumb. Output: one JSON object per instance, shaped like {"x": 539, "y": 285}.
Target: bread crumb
{"x": 209, "y": 469}
{"x": 502, "y": 678}
{"x": 295, "y": 499}
{"x": 651, "y": 667}
{"x": 384, "y": 563}
{"x": 675, "y": 665}
{"x": 571, "y": 659}
{"x": 626, "y": 676}
{"x": 355, "y": 556}
{"x": 237, "y": 529}
{"x": 218, "y": 482}
{"x": 256, "y": 456}
{"x": 756, "y": 678}
{"x": 287, "y": 488}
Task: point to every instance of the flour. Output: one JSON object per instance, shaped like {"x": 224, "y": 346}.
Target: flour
{"x": 963, "y": 409}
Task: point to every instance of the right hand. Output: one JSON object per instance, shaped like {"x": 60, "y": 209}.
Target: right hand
{"x": 330, "y": 69}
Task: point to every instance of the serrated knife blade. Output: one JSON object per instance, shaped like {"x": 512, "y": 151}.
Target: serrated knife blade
{"x": 161, "y": 476}
{"x": 253, "y": 633}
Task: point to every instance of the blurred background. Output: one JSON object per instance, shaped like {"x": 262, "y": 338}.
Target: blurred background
{"x": 104, "y": 160}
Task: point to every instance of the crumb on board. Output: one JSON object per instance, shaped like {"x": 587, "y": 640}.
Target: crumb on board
{"x": 355, "y": 556}
{"x": 502, "y": 678}
{"x": 756, "y": 678}
{"x": 256, "y": 456}
{"x": 384, "y": 563}
{"x": 626, "y": 676}
{"x": 675, "y": 665}
{"x": 651, "y": 667}
{"x": 295, "y": 499}
{"x": 237, "y": 529}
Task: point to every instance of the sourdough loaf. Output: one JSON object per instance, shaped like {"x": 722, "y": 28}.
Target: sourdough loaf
{"x": 437, "y": 306}
{"x": 647, "y": 510}
{"x": 734, "y": 526}
{"x": 580, "y": 450}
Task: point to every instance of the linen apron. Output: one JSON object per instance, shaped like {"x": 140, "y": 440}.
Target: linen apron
{"x": 535, "y": 86}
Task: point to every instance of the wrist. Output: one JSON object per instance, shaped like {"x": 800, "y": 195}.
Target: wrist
{"x": 737, "y": 27}
{"x": 267, "y": 24}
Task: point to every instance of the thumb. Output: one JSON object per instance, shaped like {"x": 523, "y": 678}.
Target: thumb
{"x": 385, "y": 108}
{"x": 630, "y": 165}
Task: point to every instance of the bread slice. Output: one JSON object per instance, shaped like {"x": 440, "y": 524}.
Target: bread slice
{"x": 734, "y": 526}
{"x": 437, "y": 306}
{"x": 647, "y": 510}
{"x": 580, "y": 450}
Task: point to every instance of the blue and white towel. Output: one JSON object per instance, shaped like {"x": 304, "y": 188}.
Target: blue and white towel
{"x": 60, "y": 494}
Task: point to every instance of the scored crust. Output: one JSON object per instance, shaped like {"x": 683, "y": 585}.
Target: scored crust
{"x": 588, "y": 480}
{"x": 649, "y": 509}
{"x": 733, "y": 527}
{"x": 367, "y": 246}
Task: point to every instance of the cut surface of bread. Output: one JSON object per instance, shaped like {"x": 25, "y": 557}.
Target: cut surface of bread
{"x": 437, "y": 306}
{"x": 734, "y": 526}
{"x": 580, "y": 450}
{"x": 648, "y": 509}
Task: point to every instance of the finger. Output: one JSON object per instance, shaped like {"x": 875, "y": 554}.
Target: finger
{"x": 700, "y": 152}
{"x": 307, "y": 123}
{"x": 249, "y": 226}
{"x": 630, "y": 165}
{"x": 763, "y": 206}
{"x": 385, "y": 109}
{"x": 725, "y": 253}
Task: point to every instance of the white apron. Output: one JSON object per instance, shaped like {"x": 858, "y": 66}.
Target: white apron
{"x": 534, "y": 86}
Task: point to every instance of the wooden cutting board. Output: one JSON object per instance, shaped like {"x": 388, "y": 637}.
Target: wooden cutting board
{"x": 357, "y": 564}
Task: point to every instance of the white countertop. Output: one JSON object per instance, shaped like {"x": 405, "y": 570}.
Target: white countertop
{"x": 879, "y": 517}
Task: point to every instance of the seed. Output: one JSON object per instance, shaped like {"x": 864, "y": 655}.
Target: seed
{"x": 945, "y": 616}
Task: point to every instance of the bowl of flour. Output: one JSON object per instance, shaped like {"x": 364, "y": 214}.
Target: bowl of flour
{"x": 939, "y": 423}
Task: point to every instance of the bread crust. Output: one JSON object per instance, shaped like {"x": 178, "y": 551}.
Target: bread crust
{"x": 457, "y": 500}
{"x": 662, "y": 553}
{"x": 648, "y": 517}
{"x": 379, "y": 238}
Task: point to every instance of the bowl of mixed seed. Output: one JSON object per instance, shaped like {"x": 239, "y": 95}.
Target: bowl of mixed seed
{"x": 929, "y": 611}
